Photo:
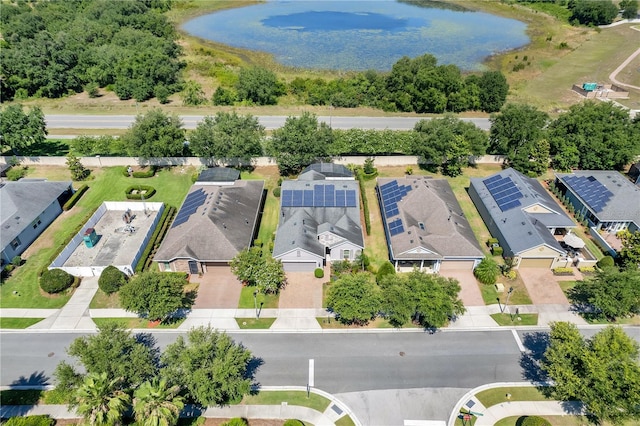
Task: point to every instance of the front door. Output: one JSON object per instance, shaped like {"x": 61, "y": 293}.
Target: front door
{"x": 193, "y": 267}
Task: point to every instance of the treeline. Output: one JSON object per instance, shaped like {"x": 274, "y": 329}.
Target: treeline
{"x": 594, "y": 12}
{"x": 54, "y": 48}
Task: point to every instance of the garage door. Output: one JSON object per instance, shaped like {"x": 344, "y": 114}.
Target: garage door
{"x": 535, "y": 263}
{"x": 456, "y": 265}
{"x": 299, "y": 266}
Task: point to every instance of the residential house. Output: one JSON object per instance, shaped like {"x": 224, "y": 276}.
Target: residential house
{"x": 524, "y": 217}
{"x": 319, "y": 219}
{"x": 26, "y": 209}
{"x": 218, "y": 218}
{"x": 425, "y": 226}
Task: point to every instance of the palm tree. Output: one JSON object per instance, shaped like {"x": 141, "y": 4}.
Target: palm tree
{"x": 487, "y": 271}
{"x": 157, "y": 404}
{"x": 100, "y": 401}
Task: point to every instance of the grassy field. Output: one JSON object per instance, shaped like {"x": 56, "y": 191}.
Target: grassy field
{"x": 255, "y": 324}
{"x": 512, "y": 320}
{"x": 18, "y": 323}
{"x": 264, "y": 301}
{"x": 314, "y": 401}
{"x": 106, "y": 184}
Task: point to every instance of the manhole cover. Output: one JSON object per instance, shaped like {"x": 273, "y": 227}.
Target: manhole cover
{"x": 401, "y": 353}
{"x": 51, "y": 354}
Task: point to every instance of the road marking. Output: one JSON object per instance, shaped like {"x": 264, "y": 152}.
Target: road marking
{"x": 311, "y": 373}
{"x": 518, "y": 341}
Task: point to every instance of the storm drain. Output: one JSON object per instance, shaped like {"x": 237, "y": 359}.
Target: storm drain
{"x": 337, "y": 409}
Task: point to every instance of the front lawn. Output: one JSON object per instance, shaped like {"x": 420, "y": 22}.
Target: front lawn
{"x": 18, "y": 323}
{"x": 507, "y": 319}
{"x": 314, "y": 401}
{"x": 102, "y": 300}
{"x": 255, "y": 324}
{"x": 495, "y": 396}
{"x": 520, "y": 295}
{"x": 264, "y": 301}
{"x": 107, "y": 184}
{"x": 130, "y": 323}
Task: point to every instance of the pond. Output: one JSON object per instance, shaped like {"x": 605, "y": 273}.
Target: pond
{"x": 361, "y": 35}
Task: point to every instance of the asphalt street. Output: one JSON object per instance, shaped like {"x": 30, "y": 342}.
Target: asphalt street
{"x": 269, "y": 122}
{"x": 344, "y": 362}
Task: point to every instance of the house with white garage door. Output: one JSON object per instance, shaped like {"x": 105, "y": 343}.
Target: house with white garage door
{"x": 523, "y": 216}
{"x": 425, "y": 226}
{"x": 319, "y": 220}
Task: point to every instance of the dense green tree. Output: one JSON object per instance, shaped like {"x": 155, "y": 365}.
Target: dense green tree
{"x": 192, "y": 94}
{"x": 77, "y": 170}
{"x": 593, "y": 12}
{"x": 300, "y": 142}
{"x": 371, "y": 142}
{"x": 610, "y": 293}
{"x": 111, "y": 279}
{"x": 87, "y": 146}
{"x": 223, "y": 96}
{"x": 630, "y": 252}
{"x": 228, "y": 136}
{"x": 19, "y": 129}
{"x": 629, "y": 8}
{"x": 155, "y": 403}
{"x": 487, "y": 271}
{"x": 515, "y": 128}
{"x": 155, "y": 134}
{"x": 114, "y": 352}
{"x": 354, "y": 298}
{"x": 603, "y": 372}
{"x": 100, "y": 401}
{"x": 447, "y": 143}
{"x": 270, "y": 277}
{"x": 493, "y": 90}
{"x": 259, "y": 86}
{"x": 398, "y": 303}
{"x": 599, "y": 134}
{"x": 210, "y": 367}
{"x": 155, "y": 295}
{"x": 246, "y": 265}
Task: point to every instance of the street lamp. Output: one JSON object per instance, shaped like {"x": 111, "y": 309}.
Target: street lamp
{"x": 506, "y": 303}
{"x": 255, "y": 302}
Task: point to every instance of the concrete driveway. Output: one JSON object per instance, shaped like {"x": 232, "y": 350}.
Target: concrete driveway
{"x": 543, "y": 286}
{"x": 303, "y": 290}
{"x": 470, "y": 293}
{"x": 218, "y": 289}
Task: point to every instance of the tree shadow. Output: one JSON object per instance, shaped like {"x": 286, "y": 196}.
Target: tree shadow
{"x": 36, "y": 379}
{"x": 536, "y": 343}
{"x": 574, "y": 408}
{"x": 148, "y": 340}
{"x": 253, "y": 366}
{"x": 580, "y": 304}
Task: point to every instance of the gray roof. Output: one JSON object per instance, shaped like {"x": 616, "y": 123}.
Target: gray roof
{"x": 22, "y": 202}
{"x": 218, "y": 174}
{"x": 622, "y": 206}
{"x": 446, "y": 233}
{"x": 525, "y": 226}
{"x": 299, "y": 227}
{"x": 220, "y": 226}
{"x": 329, "y": 170}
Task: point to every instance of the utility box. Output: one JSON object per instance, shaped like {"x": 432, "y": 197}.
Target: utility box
{"x": 90, "y": 237}
{"x": 590, "y": 87}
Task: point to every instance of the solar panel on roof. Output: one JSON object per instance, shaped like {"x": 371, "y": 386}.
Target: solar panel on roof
{"x": 504, "y": 192}
{"x": 390, "y": 194}
{"x": 191, "y": 203}
{"x": 492, "y": 179}
{"x": 351, "y": 198}
{"x": 297, "y": 198}
{"x": 307, "y": 198}
{"x": 287, "y": 198}
{"x": 594, "y": 193}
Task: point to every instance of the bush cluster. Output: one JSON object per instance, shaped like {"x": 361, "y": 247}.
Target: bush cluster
{"x": 16, "y": 173}
{"x": 606, "y": 262}
{"x": 55, "y": 280}
{"x": 111, "y": 279}
{"x": 534, "y": 421}
{"x": 75, "y": 197}
{"x": 149, "y": 192}
{"x": 145, "y": 173}
{"x": 497, "y": 251}
{"x": 39, "y": 420}
{"x": 318, "y": 273}
{"x": 563, "y": 271}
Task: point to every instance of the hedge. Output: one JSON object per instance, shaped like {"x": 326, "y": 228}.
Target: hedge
{"x": 55, "y": 280}
{"x": 111, "y": 279}
{"x": 365, "y": 203}
{"x": 75, "y": 197}
{"x": 534, "y": 421}
{"x": 562, "y": 271}
{"x": 276, "y": 192}
{"x": 497, "y": 251}
{"x": 318, "y": 273}
{"x": 145, "y": 174}
{"x": 150, "y": 191}
{"x": 156, "y": 238}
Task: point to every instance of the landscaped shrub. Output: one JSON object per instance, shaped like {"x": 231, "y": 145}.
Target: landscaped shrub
{"x": 55, "y": 280}
{"x": 497, "y": 251}
{"x": 41, "y": 420}
{"x": 111, "y": 279}
{"x": 385, "y": 269}
{"x": 318, "y": 273}
{"x": 293, "y": 422}
{"x": 156, "y": 238}
{"x": 533, "y": 421}
{"x": 16, "y": 173}
{"x": 511, "y": 275}
{"x": 606, "y": 262}
{"x": 276, "y": 192}
{"x": 136, "y": 192}
{"x": 365, "y": 203}
{"x": 16, "y": 261}
{"x": 587, "y": 269}
{"x": 237, "y": 421}
{"x": 562, "y": 271}
{"x": 487, "y": 271}
{"x": 145, "y": 173}
{"x": 75, "y": 197}
{"x": 491, "y": 242}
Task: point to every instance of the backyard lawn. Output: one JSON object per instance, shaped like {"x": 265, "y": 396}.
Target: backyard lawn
{"x": 269, "y": 220}
{"x": 106, "y": 184}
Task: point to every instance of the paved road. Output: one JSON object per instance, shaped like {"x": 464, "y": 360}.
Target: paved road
{"x": 269, "y": 122}
{"x": 343, "y": 362}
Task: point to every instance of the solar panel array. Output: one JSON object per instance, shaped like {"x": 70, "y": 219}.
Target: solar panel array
{"x": 194, "y": 200}
{"x": 595, "y": 194}
{"x": 319, "y": 196}
{"x": 504, "y": 192}
{"x": 395, "y": 227}
{"x": 390, "y": 194}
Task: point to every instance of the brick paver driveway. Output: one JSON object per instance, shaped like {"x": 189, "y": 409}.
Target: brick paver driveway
{"x": 470, "y": 292}
{"x": 543, "y": 286}
{"x": 303, "y": 290}
{"x": 218, "y": 288}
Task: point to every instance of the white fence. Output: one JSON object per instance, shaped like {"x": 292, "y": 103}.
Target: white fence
{"x": 99, "y": 161}
{"x": 90, "y": 270}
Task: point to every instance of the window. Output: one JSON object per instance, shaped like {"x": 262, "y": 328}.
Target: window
{"x": 15, "y": 243}
{"x": 346, "y": 254}
{"x": 421, "y": 225}
{"x": 36, "y": 223}
{"x": 167, "y": 266}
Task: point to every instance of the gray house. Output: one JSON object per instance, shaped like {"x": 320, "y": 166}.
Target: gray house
{"x": 319, "y": 221}
{"x": 425, "y": 226}
{"x": 523, "y": 216}
{"x": 218, "y": 219}
{"x": 26, "y": 209}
